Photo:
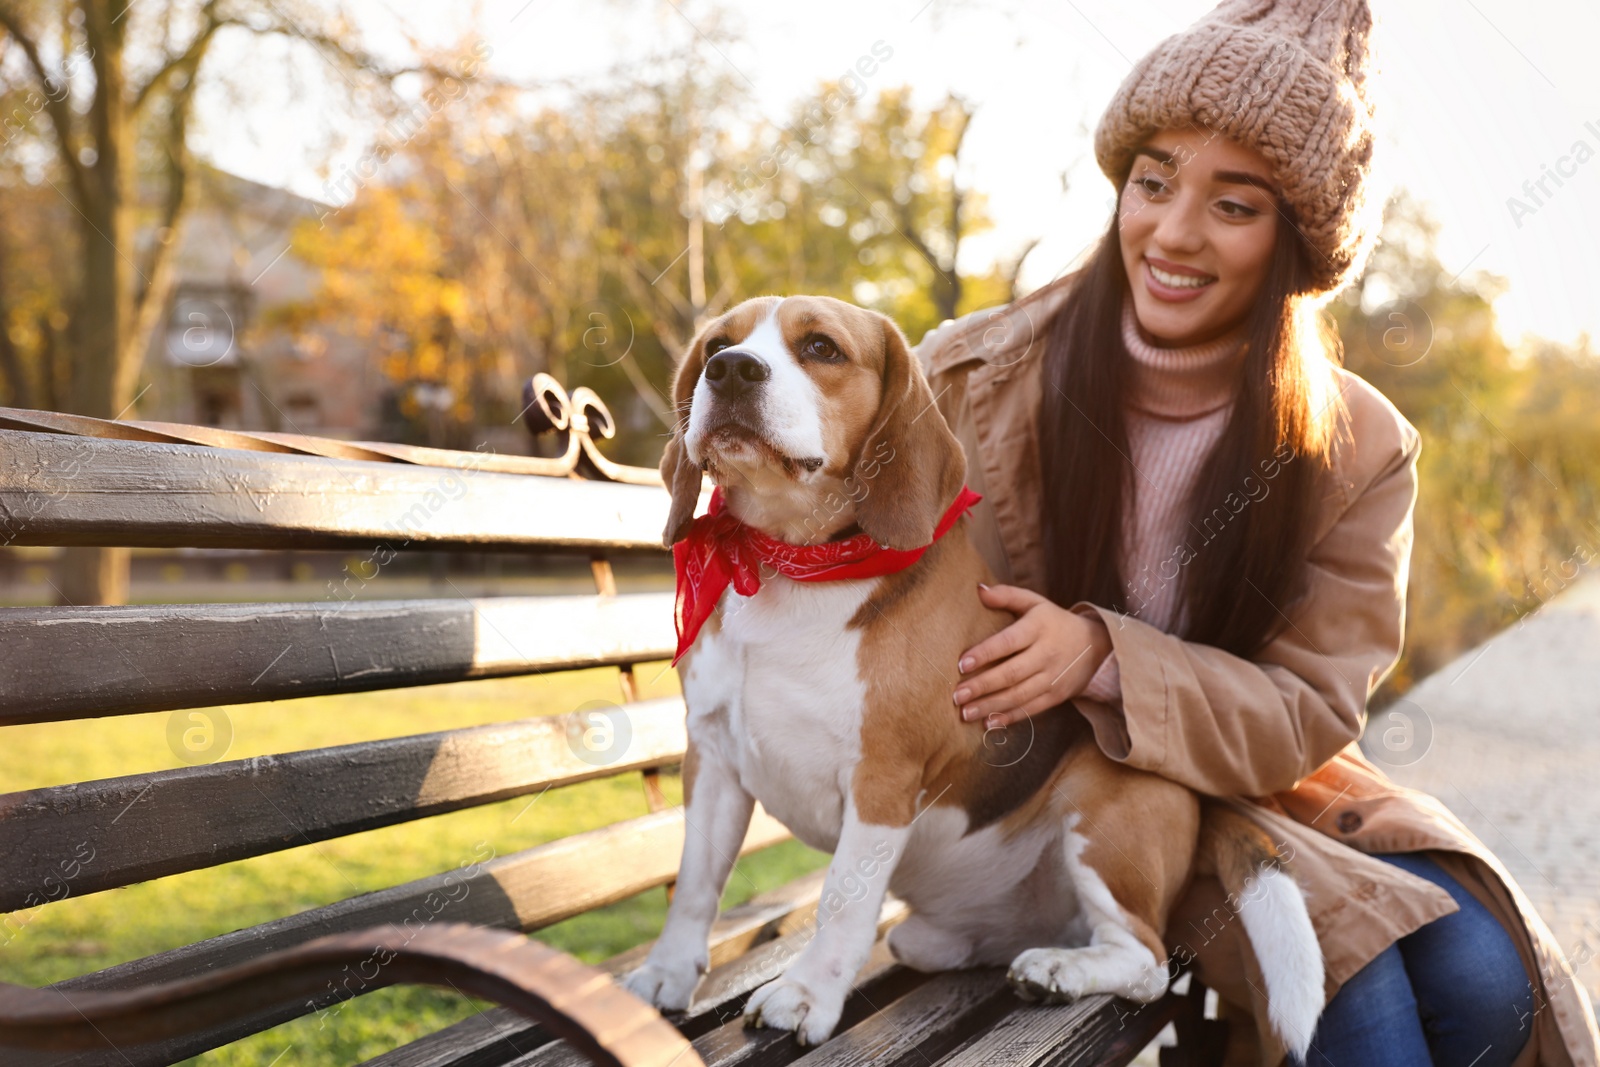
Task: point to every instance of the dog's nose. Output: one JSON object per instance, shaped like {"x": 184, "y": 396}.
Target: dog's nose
{"x": 732, "y": 373}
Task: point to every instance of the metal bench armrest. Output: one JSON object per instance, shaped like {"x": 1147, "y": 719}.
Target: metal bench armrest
{"x": 571, "y": 999}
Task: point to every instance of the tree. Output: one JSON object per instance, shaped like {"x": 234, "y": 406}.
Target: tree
{"x": 35, "y": 271}
{"x": 591, "y": 236}
{"x": 882, "y": 174}
{"x": 501, "y": 246}
{"x": 109, "y": 89}
{"x": 1510, "y": 466}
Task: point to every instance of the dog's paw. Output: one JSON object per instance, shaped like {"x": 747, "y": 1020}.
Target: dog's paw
{"x": 667, "y": 987}
{"x": 787, "y": 1004}
{"x": 1053, "y": 975}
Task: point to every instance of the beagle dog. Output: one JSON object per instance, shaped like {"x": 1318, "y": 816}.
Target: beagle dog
{"x": 823, "y": 606}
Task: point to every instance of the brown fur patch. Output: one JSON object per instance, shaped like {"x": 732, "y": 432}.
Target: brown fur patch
{"x": 919, "y": 464}
{"x": 1141, "y": 830}
{"x": 1233, "y": 848}
{"x": 852, "y": 391}
{"x": 691, "y": 767}
{"x": 913, "y": 629}
{"x": 1019, "y": 761}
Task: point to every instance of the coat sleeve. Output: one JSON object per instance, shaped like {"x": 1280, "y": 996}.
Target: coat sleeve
{"x": 1228, "y": 726}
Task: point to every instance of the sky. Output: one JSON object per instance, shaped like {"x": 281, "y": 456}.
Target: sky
{"x": 1478, "y": 100}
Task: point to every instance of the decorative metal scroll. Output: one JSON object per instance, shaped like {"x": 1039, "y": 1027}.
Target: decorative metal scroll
{"x": 546, "y": 408}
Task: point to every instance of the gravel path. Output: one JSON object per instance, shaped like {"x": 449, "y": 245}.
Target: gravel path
{"x": 1513, "y": 751}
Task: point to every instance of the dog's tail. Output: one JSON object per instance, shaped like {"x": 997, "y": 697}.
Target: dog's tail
{"x": 1254, "y": 873}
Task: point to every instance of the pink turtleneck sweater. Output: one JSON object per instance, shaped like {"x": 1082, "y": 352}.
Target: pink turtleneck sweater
{"x": 1177, "y": 405}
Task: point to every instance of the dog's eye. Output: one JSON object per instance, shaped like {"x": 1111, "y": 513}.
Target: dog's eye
{"x": 821, "y": 348}
{"x": 715, "y": 345}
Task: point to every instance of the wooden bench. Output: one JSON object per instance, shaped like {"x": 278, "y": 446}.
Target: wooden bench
{"x": 67, "y": 480}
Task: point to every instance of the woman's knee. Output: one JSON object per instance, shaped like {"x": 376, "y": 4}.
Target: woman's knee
{"x": 1472, "y": 991}
{"x": 1372, "y": 1020}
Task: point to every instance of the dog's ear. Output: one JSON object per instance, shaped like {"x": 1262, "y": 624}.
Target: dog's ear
{"x": 683, "y": 481}
{"x": 679, "y": 473}
{"x": 911, "y": 466}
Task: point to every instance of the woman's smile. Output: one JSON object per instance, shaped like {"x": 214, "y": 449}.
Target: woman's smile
{"x": 1174, "y": 283}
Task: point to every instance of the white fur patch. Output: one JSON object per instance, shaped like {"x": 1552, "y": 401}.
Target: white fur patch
{"x": 781, "y": 672}
{"x": 993, "y": 895}
{"x": 1274, "y": 914}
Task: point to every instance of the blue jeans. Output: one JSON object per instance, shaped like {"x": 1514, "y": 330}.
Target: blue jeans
{"x": 1453, "y": 993}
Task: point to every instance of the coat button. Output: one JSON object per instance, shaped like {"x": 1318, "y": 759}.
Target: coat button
{"x": 1349, "y": 822}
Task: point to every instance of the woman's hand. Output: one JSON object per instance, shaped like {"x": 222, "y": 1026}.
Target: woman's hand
{"x": 1047, "y": 656}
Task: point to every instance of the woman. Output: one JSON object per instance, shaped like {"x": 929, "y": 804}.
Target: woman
{"x": 1205, "y": 530}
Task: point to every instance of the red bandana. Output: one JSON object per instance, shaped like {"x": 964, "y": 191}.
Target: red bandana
{"x": 720, "y": 551}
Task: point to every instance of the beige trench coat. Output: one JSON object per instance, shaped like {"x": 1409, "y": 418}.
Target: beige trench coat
{"x": 1279, "y": 731}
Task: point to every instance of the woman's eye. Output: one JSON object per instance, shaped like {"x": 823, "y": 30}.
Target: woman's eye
{"x": 1150, "y": 185}
{"x": 822, "y": 349}
{"x": 1238, "y": 211}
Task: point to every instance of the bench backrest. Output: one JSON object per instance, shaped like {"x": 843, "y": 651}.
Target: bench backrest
{"x": 67, "y": 480}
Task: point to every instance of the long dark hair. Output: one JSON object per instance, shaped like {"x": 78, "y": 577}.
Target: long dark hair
{"x": 1252, "y": 504}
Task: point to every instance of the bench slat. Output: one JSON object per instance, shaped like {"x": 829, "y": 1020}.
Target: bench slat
{"x": 1099, "y": 1029}
{"x": 880, "y": 983}
{"x": 526, "y": 890}
{"x": 301, "y": 444}
{"x": 61, "y": 490}
{"x": 68, "y": 662}
{"x": 117, "y": 831}
{"x": 923, "y": 1025}
{"x": 718, "y": 1030}
{"x": 724, "y": 991}
{"x": 778, "y": 921}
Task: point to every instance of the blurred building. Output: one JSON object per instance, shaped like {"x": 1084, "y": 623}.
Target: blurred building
{"x": 217, "y": 362}
{"x": 225, "y": 359}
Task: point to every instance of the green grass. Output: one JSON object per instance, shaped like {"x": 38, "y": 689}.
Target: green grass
{"x": 82, "y": 934}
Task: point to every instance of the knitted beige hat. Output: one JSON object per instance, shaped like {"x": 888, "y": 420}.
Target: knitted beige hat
{"x": 1287, "y": 78}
